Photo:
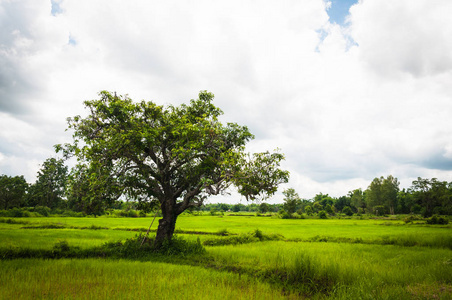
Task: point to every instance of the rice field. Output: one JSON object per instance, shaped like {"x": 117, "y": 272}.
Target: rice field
{"x": 313, "y": 258}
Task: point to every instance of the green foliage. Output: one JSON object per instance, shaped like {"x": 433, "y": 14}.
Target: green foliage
{"x": 323, "y": 215}
{"x": 357, "y": 199}
{"x": 127, "y": 213}
{"x": 236, "y": 208}
{"x": 308, "y": 210}
{"x": 91, "y": 190}
{"x": 433, "y": 196}
{"x": 379, "y": 210}
{"x": 223, "y": 232}
{"x": 177, "y": 156}
{"x": 411, "y": 219}
{"x": 246, "y": 238}
{"x": 18, "y": 213}
{"x": 259, "y": 175}
{"x": 284, "y": 214}
{"x": 42, "y": 210}
{"x": 50, "y": 186}
{"x": 264, "y": 207}
{"x": 329, "y": 209}
{"x": 317, "y": 207}
{"x": 382, "y": 192}
{"x": 134, "y": 248}
{"x": 347, "y": 210}
{"x": 291, "y": 200}
{"x": 438, "y": 220}
{"x": 12, "y": 191}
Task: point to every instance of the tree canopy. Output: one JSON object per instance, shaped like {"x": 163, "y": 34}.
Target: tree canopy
{"x": 12, "y": 191}
{"x": 175, "y": 156}
{"x": 50, "y": 186}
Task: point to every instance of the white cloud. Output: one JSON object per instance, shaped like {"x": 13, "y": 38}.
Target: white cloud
{"x": 342, "y": 112}
{"x": 404, "y": 36}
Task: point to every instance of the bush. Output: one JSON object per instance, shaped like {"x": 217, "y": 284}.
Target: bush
{"x": 134, "y": 249}
{"x": 284, "y": 214}
{"x": 42, "y": 210}
{"x": 252, "y": 237}
{"x": 348, "y": 211}
{"x": 18, "y": 213}
{"x": 437, "y": 220}
{"x": 127, "y": 213}
{"x": 180, "y": 246}
{"x": 410, "y": 219}
{"x": 379, "y": 210}
{"x": 70, "y": 213}
{"x": 223, "y": 232}
{"x": 299, "y": 216}
{"x": 322, "y": 214}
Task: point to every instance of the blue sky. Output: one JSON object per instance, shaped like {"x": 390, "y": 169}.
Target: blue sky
{"x": 339, "y": 10}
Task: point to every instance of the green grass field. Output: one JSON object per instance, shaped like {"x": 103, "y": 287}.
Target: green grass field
{"x": 313, "y": 258}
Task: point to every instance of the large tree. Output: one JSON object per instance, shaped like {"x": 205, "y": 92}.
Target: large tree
{"x": 12, "y": 191}
{"x": 49, "y": 188}
{"x": 383, "y": 192}
{"x": 433, "y": 195}
{"x": 291, "y": 200}
{"x": 90, "y": 190}
{"x": 175, "y": 155}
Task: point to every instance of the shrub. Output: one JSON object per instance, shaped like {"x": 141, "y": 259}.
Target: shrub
{"x": 329, "y": 209}
{"x": 61, "y": 246}
{"x": 42, "y": 210}
{"x": 128, "y": 213}
{"x": 379, "y": 210}
{"x": 223, "y": 232}
{"x": 347, "y": 210}
{"x": 134, "y": 248}
{"x": 300, "y": 216}
{"x": 180, "y": 246}
{"x": 18, "y": 213}
{"x": 437, "y": 220}
{"x": 410, "y": 219}
{"x": 322, "y": 214}
{"x": 284, "y": 214}
{"x": 252, "y": 237}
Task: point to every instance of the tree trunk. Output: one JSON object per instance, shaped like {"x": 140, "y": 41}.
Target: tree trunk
{"x": 167, "y": 224}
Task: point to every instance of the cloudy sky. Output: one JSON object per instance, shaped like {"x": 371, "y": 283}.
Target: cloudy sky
{"x": 349, "y": 90}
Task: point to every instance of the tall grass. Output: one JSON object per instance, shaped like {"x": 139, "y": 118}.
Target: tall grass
{"x": 337, "y": 270}
{"x": 106, "y": 279}
{"x": 46, "y": 238}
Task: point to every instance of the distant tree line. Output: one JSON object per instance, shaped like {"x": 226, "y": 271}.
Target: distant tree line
{"x": 58, "y": 188}
{"x": 383, "y": 196}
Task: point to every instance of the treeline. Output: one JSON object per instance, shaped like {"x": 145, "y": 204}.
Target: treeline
{"x": 425, "y": 196}
{"x": 57, "y": 188}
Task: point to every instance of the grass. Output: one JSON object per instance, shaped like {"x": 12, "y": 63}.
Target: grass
{"x": 247, "y": 257}
{"x": 344, "y": 269}
{"x": 124, "y": 279}
{"x": 46, "y": 238}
